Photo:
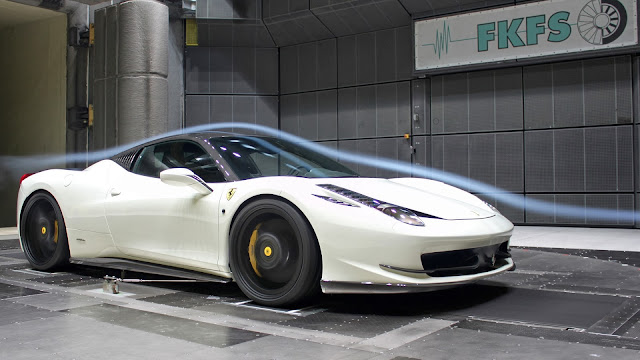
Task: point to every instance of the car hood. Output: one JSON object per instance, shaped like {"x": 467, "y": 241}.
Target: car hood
{"x": 430, "y": 197}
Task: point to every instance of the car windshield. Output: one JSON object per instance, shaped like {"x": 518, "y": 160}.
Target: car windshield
{"x": 253, "y": 157}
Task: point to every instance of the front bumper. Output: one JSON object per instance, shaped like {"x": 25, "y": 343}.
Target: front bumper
{"x": 353, "y": 250}
{"x": 347, "y": 287}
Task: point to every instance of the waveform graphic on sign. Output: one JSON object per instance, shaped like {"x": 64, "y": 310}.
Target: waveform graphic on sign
{"x": 443, "y": 39}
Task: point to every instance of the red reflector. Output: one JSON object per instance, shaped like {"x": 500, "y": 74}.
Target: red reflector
{"x": 24, "y": 177}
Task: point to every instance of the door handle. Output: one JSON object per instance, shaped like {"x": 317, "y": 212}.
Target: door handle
{"x": 115, "y": 192}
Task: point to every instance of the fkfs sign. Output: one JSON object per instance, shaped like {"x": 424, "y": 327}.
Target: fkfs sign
{"x": 537, "y": 29}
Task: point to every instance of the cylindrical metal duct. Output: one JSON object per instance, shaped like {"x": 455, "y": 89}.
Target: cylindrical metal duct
{"x": 132, "y": 41}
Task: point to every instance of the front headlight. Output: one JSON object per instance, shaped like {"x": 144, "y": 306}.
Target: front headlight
{"x": 399, "y": 213}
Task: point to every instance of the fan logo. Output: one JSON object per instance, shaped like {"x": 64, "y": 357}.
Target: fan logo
{"x": 601, "y": 22}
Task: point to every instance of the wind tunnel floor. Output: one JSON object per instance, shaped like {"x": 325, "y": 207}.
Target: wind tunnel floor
{"x": 558, "y": 304}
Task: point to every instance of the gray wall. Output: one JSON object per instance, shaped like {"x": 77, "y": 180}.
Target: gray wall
{"x": 232, "y": 75}
{"x": 561, "y": 132}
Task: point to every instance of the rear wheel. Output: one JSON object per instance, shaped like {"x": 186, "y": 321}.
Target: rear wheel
{"x": 274, "y": 255}
{"x": 43, "y": 233}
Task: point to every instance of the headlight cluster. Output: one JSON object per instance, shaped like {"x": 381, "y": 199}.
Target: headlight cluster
{"x": 399, "y": 213}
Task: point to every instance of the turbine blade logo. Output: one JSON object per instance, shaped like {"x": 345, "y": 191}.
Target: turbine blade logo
{"x": 602, "y": 21}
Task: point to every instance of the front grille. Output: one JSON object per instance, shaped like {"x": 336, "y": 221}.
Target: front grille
{"x": 467, "y": 261}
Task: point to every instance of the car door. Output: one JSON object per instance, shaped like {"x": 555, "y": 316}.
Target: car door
{"x": 154, "y": 221}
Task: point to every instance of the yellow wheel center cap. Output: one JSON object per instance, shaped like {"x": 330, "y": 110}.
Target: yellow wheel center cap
{"x": 267, "y": 251}
{"x": 44, "y": 230}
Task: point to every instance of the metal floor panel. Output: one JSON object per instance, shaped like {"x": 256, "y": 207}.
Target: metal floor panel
{"x": 571, "y": 304}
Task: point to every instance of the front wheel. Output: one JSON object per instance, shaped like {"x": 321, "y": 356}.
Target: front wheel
{"x": 274, "y": 254}
{"x": 43, "y": 233}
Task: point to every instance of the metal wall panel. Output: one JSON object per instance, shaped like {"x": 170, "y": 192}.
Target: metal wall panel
{"x": 312, "y": 115}
{"x": 395, "y": 149}
{"x": 366, "y": 58}
{"x": 211, "y": 109}
{"x": 599, "y": 92}
{"x": 221, "y": 109}
{"x": 568, "y": 147}
{"x": 197, "y": 110}
{"x": 609, "y": 158}
{"x": 364, "y": 147}
{"x": 197, "y": 70}
{"x": 624, "y": 90}
{"x": 510, "y": 161}
{"x": 578, "y": 93}
{"x": 568, "y": 107}
{"x": 456, "y": 109}
{"x": 451, "y": 154}
{"x": 509, "y": 109}
{"x": 327, "y": 71}
{"x": 482, "y": 158}
{"x": 308, "y": 117}
{"x": 221, "y": 74}
{"x": 347, "y": 61}
{"x": 365, "y": 111}
{"x": 482, "y": 101}
{"x": 243, "y": 70}
{"x": 308, "y": 67}
{"x": 547, "y": 217}
{"x": 538, "y": 96}
{"x": 579, "y": 160}
{"x": 266, "y": 71}
{"x": 617, "y": 202}
{"x": 288, "y": 69}
{"x": 539, "y": 166}
{"x": 492, "y": 158}
{"x": 385, "y": 59}
{"x": 374, "y": 111}
{"x": 236, "y": 70}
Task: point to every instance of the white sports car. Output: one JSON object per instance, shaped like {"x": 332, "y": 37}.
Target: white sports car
{"x": 279, "y": 219}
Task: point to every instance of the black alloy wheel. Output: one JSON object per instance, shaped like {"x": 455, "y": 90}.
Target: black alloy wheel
{"x": 274, "y": 254}
{"x": 43, "y": 233}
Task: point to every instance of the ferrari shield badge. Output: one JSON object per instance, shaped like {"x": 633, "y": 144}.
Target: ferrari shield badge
{"x": 230, "y": 193}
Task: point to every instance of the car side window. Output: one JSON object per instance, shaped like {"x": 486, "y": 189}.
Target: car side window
{"x": 177, "y": 154}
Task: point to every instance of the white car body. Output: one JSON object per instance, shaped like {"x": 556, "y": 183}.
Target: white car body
{"x": 111, "y": 212}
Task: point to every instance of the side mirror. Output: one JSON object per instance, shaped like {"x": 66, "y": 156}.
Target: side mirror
{"x": 185, "y": 177}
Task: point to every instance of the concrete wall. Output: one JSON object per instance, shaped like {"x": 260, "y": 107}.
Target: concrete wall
{"x": 32, "y": 98}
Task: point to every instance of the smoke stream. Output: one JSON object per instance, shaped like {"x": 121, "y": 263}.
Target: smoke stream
{"x": 14, "y": 164}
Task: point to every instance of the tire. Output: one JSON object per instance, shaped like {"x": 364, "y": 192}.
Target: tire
{"x": 274, "y": 254}
{"x": 43, "y": 233}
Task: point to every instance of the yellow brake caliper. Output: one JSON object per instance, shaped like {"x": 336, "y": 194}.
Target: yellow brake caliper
{"x": 55, "y": 232}
{"x": 252, "y": 250}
